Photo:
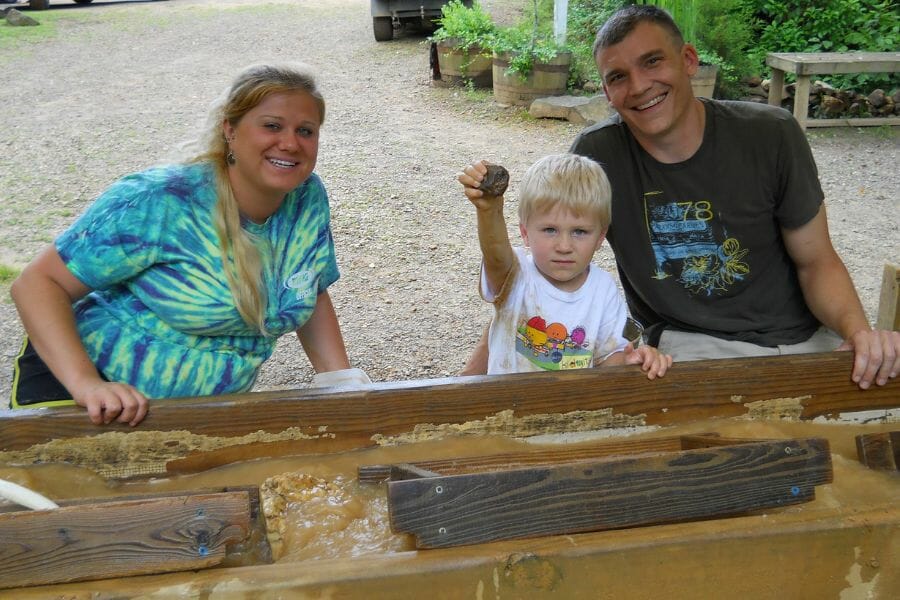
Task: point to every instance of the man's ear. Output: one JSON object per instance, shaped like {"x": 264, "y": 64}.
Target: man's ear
{"x": 690, "y": 58}
{"x": 524, "y": 233}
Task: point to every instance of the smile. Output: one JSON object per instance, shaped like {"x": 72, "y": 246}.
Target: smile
{"x": 282, "y": 164}
{"x": 652, "y": 102}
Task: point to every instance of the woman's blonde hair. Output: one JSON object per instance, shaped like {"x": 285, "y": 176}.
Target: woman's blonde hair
{"x": 571, "y": 181}
{"x": 240, "y": 255}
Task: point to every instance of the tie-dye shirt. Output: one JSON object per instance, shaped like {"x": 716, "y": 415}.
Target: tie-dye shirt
{"x": 161, "y": 316}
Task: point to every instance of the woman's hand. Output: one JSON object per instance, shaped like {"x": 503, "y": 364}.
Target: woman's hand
{"x": 107, "y": 401}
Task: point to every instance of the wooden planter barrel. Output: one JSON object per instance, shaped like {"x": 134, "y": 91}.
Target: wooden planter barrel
{"x": 704, "y": 80}
{"x": 461, "y": 66}
{"x": 546, "y": 79}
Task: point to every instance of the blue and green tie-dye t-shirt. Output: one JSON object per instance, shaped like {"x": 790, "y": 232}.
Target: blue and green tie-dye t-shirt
{"x": 161, "y": 316}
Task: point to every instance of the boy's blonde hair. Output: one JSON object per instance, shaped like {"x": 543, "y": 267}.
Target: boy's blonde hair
{"x": 567, "y": 180}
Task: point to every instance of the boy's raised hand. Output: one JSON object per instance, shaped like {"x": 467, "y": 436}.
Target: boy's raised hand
{"x": 484, "y": 183}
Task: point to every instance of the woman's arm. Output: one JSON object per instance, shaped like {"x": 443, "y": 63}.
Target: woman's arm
{"x": 321, "y": 337}
{"x": 44, "y": 294}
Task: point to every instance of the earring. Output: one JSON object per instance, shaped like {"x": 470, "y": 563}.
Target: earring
{"x": 229, "y": 158}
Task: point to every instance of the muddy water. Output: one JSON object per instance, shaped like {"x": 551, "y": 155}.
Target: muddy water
{"x": 316, "y": 509}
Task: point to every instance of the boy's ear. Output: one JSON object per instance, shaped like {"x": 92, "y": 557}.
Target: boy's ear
{"x": 524, "y": 233}
{"x": 600, "y": 239}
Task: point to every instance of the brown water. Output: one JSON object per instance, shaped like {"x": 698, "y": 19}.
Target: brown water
{"x": 316, "y": 508}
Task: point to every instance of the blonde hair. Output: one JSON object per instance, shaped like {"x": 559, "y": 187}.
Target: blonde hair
{"x": 240, "y": 256}
{"x": 567, "y": 180}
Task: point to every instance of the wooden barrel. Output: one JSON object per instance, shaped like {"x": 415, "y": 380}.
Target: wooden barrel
{"x": 704, "y": 80}
{"x": 460, "y": 66}
{"x": 546, "y": 79}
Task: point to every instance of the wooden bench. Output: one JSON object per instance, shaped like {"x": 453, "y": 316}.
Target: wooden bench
{"x": 804, "y": 64}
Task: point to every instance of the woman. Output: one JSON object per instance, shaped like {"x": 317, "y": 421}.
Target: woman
{"x": 178, "y": 280}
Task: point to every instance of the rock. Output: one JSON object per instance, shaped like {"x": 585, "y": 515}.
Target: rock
{"x": 831, "y": 106}
{"x": 754, "y": 81}
{"x": 18, "y": 19}
{"x": 757, "y": 91}
{"x": 591, "y": 87}
{"x": 878, "y": 98}
{"x": 580, "y": 110}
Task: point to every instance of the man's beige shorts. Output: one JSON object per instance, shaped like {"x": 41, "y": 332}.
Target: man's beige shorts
{"x": 684, "y": 346}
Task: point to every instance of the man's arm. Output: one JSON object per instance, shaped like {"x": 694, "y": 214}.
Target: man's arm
{"x": 830, "y": 295}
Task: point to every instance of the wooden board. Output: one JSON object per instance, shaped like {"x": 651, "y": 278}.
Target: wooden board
{"x": 608, "y": 493}
{"x": 508, "y": 460}
{"x": 889, "y": 299}
{"x": 879, "y": 450}
{"x": 831, "y": 63}
{"x": 818, "y": 385}
{"x": 120, "y": 538}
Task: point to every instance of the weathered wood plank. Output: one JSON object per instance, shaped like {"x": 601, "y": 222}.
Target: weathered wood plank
{"x": 889, "y": 299}
{"x": 510, "y": 460}
{"x": 830, "y": 63}
{"x": 608, "y": 494}
{"x": 879, "y": 450}
{"x": 120, "y": 538}
{"x": 819, "y": 384}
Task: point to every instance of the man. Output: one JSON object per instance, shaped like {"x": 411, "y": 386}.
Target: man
{"x": 718, "y": 225}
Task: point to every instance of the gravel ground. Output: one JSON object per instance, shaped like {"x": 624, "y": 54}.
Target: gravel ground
{"x": 117, "y": 87}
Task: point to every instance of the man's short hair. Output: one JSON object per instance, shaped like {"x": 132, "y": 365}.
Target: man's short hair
{"x": 624, "y": 20}
{"x": 567, "y": 180}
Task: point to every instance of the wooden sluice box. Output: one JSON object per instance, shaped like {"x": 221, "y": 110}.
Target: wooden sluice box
{"x": 585, "y": 484}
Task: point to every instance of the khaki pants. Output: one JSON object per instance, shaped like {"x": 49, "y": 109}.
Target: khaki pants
{"x": 684, "y": 346}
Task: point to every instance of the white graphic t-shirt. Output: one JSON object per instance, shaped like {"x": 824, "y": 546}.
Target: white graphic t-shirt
{"x": 540, "y": 327}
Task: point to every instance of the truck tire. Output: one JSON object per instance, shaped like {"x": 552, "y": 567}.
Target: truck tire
{"x": 39, "y": 4}
{"x": 383, "y": 28}
{"x": 83, "y": 1}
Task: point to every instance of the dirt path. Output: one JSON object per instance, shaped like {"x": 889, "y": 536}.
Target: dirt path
{"x": 120, "y": 85}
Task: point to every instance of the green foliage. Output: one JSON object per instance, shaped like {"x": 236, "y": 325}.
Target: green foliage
{"x": 584, "y": 19}
{"x": 830, "y": 26}
{"x": 466, "y": 26}
{"x": 524, "y": 48}
{"x": 7, "y": 274}
{"x": 725, "y": 33}
{"x": 529, "y": 41}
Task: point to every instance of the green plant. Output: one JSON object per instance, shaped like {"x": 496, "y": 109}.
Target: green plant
{"x": 526, "y": 43}
{"x": 830, "y": 26}
{"x": 464, "y": 26}
{"x": 7, "y": 274}
{"x": 584, "y": 19}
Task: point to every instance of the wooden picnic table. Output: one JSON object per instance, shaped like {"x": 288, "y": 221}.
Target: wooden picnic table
{"x": 805, "y": 64}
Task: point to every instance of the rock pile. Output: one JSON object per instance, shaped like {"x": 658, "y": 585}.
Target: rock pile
{"x": 827, "y": 102}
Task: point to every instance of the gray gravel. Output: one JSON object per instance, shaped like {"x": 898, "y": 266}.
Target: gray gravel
{"x": 117, "y": 87}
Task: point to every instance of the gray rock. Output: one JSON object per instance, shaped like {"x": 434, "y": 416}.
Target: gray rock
{"x": 18, "y": 19}
{"x": 580, "y": 110}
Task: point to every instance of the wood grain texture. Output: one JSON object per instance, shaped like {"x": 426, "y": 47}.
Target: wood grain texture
{"x": 345, "y": 420}
{"x": 879, "y": 451}
{"x": 120, "y": 538}
{"x": 510, "y": 460}
{"x": 608, "y": 494}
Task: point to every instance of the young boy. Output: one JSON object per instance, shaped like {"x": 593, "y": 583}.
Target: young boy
{"x": 554, "y": 309}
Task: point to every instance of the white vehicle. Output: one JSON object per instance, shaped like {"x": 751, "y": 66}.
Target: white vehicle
{"x": 387, "y": 13}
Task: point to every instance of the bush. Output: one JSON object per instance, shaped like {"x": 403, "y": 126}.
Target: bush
{"x": 466, "y": 26}
{"x": 736, "y": 35}
{"x": 529, "y": 41}
{"x": 830, "y": 26}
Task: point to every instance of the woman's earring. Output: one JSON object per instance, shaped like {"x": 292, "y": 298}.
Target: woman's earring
{"x": 229, "y": 157}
